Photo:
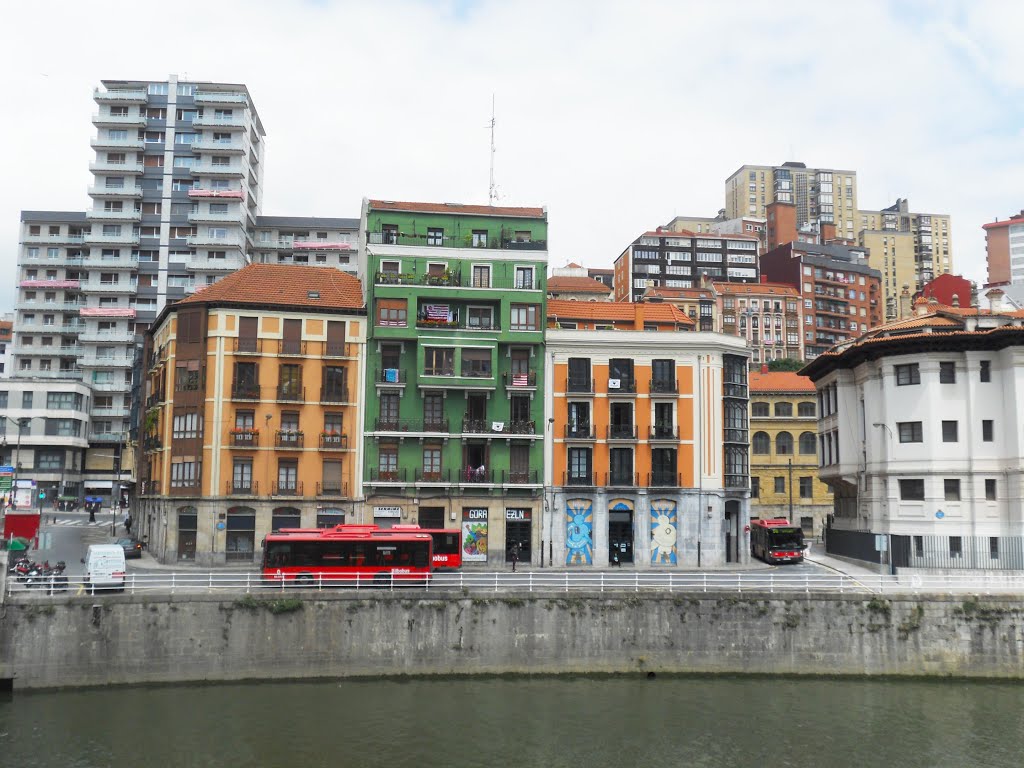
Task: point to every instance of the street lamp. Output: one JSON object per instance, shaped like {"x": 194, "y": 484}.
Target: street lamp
{"x": 22, "y": 422}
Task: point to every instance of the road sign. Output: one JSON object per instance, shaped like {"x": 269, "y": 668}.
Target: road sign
{"x": 881, "y": 542}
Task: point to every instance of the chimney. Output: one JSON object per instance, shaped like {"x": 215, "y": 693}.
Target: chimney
{"x": 921, "y": 307}
{"x": 995, "y": 299}
{"x": 956, "y": 300}
{"x": 638, "y": 324}
{"x": 764, "y": 367}
{"x": 905, "y": 306}
{"x": 828, "y": 232}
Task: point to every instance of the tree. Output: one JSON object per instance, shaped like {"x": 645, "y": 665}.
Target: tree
{"x": 785, "y": 364}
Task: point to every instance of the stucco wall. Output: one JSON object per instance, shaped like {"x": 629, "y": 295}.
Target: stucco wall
{"x": 133, "y": 639}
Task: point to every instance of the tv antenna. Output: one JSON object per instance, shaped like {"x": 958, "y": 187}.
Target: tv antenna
{"x": 492, "y": 193}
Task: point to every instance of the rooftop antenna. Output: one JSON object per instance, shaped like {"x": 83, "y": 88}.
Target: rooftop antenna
{"x": 492, "y": 194}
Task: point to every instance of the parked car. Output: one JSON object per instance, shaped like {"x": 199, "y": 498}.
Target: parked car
{"x": 132, "y": 547}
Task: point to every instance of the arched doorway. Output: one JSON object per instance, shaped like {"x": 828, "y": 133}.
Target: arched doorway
{"x": 188, "y": 526}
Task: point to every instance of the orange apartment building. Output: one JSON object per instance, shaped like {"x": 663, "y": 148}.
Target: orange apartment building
{"x": 253, "y": 412}
{"x": 647, "y": 438}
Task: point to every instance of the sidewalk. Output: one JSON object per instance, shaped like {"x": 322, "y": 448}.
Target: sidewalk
{"x": 816, "y": 554}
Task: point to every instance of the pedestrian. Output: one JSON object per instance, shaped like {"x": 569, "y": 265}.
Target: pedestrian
{"x": 615, "y": 558}
{"x": 128, "y": 524}
{"x": 514, "y": 553}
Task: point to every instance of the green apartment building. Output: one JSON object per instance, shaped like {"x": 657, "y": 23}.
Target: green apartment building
{"x": 455, "y": 407}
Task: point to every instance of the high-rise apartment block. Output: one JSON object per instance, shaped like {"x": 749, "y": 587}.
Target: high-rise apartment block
{"x": 892, "y": 254}
{"x": 1004, "y": 249}
{"x": 930, "y": 235}
{"x": 821, "y": 195}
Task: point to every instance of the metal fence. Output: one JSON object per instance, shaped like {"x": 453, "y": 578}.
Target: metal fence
{"x": 997, "y": 553}
{"x": 525, "y": 582}
{"x": 859, "y": 545}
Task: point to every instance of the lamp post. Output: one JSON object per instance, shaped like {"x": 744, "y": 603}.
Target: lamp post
{"x": 22, "y": 422}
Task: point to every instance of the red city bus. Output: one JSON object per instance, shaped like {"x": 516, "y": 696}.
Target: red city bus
{"x": 776, "y": 540}
{"x": 447, "y": 541}
{"x": 305, "y": 556}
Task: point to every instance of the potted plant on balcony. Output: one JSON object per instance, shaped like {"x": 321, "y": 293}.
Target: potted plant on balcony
{"x": 331, "y": 437}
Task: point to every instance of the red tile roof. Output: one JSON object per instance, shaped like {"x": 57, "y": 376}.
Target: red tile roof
{"x": 622, "y": 312}
{"x": 473, "y": 210}
{"x": 780, "y": 381}
{"x": 1012, "y": 220}
{"x": 781, "y": 289}
{"x": 563, "y": 284}
{"x": 283, "y": 285}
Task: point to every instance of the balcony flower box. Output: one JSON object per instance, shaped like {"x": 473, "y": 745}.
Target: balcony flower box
{"x": 331, "y": 438}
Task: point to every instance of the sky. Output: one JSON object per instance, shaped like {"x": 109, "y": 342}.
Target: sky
{"x": 616, "y": 116}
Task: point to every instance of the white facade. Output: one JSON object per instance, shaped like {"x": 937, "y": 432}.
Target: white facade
{"x": 307, "y": 241}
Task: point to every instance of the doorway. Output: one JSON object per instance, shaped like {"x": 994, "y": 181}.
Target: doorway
{"x": 620, "y": 536}
{"x": 732, "y": 532}
{"x": 517, "y": 533}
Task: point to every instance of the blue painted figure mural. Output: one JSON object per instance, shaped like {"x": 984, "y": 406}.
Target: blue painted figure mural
{"x": 579, "y": 526}
{"x": 664, "y": 533}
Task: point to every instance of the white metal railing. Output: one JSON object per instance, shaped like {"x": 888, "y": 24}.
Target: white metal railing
{"x": 988, "y": 583}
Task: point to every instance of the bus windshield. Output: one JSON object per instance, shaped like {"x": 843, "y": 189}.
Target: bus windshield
{"x": 789, "y": 538}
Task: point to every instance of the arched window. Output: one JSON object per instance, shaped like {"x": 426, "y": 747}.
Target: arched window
{"x": 806, "y": 409}
{"x": 783, "y": 444}
{"x": 808, "y": 444}
{"x": 783, "y": 409}
{"x": 762, "y": 444}
{"x": 240, "y": 542}
{"x": 285, "y": 517}
{"x": 759, "y": 409}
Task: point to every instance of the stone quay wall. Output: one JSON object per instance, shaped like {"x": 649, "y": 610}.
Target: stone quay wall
{"x": 136, "y": 639}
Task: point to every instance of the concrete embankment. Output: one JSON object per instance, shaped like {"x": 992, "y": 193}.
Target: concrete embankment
{"x": 83, "y": 641}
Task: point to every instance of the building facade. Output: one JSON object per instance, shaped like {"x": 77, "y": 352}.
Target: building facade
{"x": 892, "y": 254}
{"x": 1004, "y": 249}
{"x": 767, "y": 316}
{"x": 931, "y": 235}
{"x": 253, "y": 412}
{"x": 840, "y": 292}
{"x": 309, "y": 241}
{"x": 454, "y": 390}
{"x": 647, "y": 440}
{"x": 720, "y": 225}
{"x": 820, "y": 195}
{"x": 572, "y": 282}
{"x": 6, "y": 345}
{"x": 699, "y": 304}
{"x": 784, "y": 451}
{"x": 667, "y": 259}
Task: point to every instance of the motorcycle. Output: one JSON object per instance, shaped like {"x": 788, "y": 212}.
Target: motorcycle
{"x": 20, "y": 568}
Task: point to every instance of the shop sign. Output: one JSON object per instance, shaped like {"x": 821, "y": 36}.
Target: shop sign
{"x": 517, "y": 515}
{"x": 387, "y": 511}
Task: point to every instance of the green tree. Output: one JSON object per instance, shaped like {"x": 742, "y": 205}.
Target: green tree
{"x": 785, "y": 364}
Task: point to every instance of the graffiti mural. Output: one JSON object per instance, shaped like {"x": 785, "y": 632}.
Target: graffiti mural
{"x": 474, "y": 535}
{"x": 579, "y": 532}
{"x": 664, "y": 532}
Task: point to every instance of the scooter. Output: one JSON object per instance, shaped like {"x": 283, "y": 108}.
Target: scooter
{"x": 20, "y": 568}
{"x": 36, "y": 574}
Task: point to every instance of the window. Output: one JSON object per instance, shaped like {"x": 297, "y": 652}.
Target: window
{"x": 524, "y": 277}
{"x": 60, "y": 400}
{"x": 579, "y": 466}
{"x": 912, "y": 490}
{"x": 806, "y": 487}
{"x": 808, "y": 445}
{"x": 289, "y": 385}
{"x": 287, "y": 476}
{"x": 907, "y": 374}
{"x": 784, "y": 444}
{"x": 761, "y": 443}
{"x": 986, "y": 370}
{"x": 481, "y": 275}
{"x": 49, "y": 460}
{"x": 480, "y": 317}
{"x": 392, "y": 312}
{"x": 387, "y": 462}
{"x": 476, "y": 363}
{"x": 956, "y": 547}
{"x": 805, "y": 410}
{"x": 184, "y": 474}
{"x": 26, "y": 399}
{"x": 755, "y": 487}
{"x": 759, "y": 409}
{"x": 187, "y": 425}
{"x": 947, "y": 373}
{"x": 479, "y": 238}
{"x": 987, "y": 427}
{"x": 910, "y": 431}
{"x": 951, "y": 487}
{"x": 523, "y": 317}
{"x": 784, "y": 409}
{"x": 949, "y": 432}
{"x": 990, "y": 488}
{"x": 438, "y": 361}
{"x": 780, "y": 484}
{"x": 431, "y": 463}
{"x": 186, "y": 376}
{"x": 435, "y": 236}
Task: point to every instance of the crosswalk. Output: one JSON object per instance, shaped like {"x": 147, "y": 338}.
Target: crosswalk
{"x": 82, "y": 522}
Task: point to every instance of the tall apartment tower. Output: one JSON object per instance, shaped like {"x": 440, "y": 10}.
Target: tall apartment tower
{"x": 821, "y": 195}
{"x": 1004, "y": 249}
{"x": 930, "y": 235}
{"x": 177, "y": 188}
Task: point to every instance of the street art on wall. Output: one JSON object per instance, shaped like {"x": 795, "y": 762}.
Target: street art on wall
{"x": 474, "y": 535}
{"x": 579, "y": 532}
{"x": 664, "y": 532}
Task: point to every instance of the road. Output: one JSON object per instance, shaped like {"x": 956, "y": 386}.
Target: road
{"x": 66, "y": 536}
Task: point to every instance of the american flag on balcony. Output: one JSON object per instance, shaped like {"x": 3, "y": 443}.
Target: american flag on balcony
{"x": 520, "y": 379}
{"x": 436, "y": 311}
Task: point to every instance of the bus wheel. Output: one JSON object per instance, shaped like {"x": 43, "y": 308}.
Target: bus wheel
{"x": 304, "y": 580}
{"x": 382, "y": 580}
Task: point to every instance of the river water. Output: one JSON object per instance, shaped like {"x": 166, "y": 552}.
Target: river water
{"x": 498, "y": 722}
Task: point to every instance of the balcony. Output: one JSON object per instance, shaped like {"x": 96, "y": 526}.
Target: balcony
{"x": 286, "y": 488}
{"x": 231, "y": 98}
{"x": 206, "y": 264}
{"x": 244, "y": 438}
{"x": 394, "y": 376}
{"x": 109, "y": 386}
{"x": 115, "y": 96}
{"x": 578, "y": 478}
{"x": 332, "y": 489}
{"x": 229, "y": 194}
{"x": 579, "y": 432}
{"x": 621, "y": 432}
{"x": 115, "y": 412}
{"x": 151, "y": 443}
{"x": 430, "y": 477}
{"x": 432, "y": 426}
{"x": 99, "y": 238}
{"x": 107, "y": 437}
{"x": 129, "y": 144}
{"x": 387, "y": 476}
{"x": 332, "y": 441}
{"x": 242, "y": 487}
{"x": 127, "y": 190}
{"x": 244, "y": 391}
{"x": 124, "y": 214}
{"x": 664, "y": 480}
{"x": 224, "y": 123}
{"x": 291, "y": 347}
{"x": 98, "y": 287}
{"x": 220, "y": 147}
{"x": 476, "y": 476}
{"x": 213, "y": 241}
{"x": 663, "y": 432}
{"x": 118, "y": 121}
{"x": 288, "y": 439}
{"x": 580, "y": 385}
{"x": 522, "y": 381}
{"x": 333, "y": 394}
{"x": 625, "y": 386}
{"x": 338, "y": 349}
{"x": 63, "y": 373}
{"x": 450, "y": 241}
{"x": 622, "y": 479}
{"x": 118, "y": 169}
{"x": 110, "y": 361}
{"x": 51, "y": 284}
{"x": 737, "y": 481}
{"x": 217, "y": 169}
{"x": 215, "y": 218}
{"x": 291, "y": 394}
{"x": 520, "y": 477}
{"x": 664, "y": 387}
{"x": 101, "y": 262}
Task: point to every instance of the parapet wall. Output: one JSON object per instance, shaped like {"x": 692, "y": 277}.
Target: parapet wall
{"x": 82, "y": 641}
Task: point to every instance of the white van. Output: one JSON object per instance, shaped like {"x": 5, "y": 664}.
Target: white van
{"x": 104, "y": 567}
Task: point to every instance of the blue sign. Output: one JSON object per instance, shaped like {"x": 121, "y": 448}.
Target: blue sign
{"x": 940, "y": 514}
{"x": 6, "y": 470}
{"x": 220, "y": 526}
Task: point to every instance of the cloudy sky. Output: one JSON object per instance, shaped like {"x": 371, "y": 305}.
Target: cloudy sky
{"x": 615, "y": 115}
